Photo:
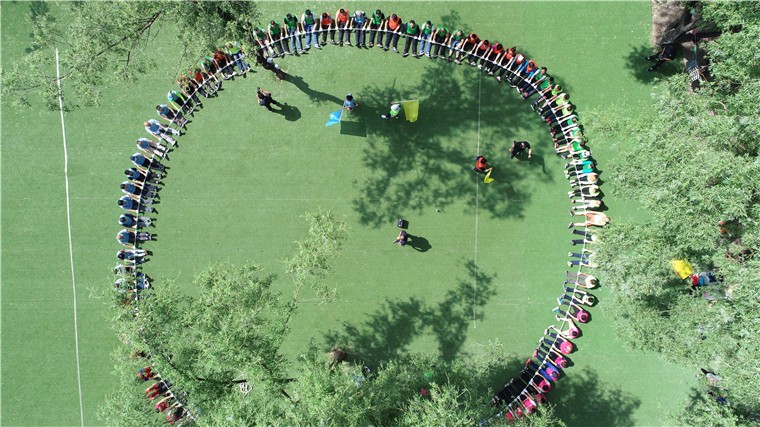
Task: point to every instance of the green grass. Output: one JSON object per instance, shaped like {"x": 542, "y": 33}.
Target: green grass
{"x": 242, "y": 177}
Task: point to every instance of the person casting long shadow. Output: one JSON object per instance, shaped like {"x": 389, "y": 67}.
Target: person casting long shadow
{"x": 314, "y": 95}
{"x": 290, "y": 112}
{"x": 418, "y": 243}
{"x": 536, "y": 159}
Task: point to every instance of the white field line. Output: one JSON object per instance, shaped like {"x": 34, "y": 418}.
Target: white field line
{"x": 68, "y": 224}
{"x": 477, "y": 215}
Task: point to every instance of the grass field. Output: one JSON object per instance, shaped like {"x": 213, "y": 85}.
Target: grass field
{"x": 242, "y": 177}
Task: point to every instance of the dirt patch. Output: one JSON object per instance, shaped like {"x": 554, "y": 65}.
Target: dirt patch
{"x": 670, "y": 21}
{"x": 664, "y": 14}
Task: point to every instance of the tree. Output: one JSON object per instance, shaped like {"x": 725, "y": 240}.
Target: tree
{"x": 229, "y": 334}
{"x": 104, "y": 43}
{"x": 691, "y": 161}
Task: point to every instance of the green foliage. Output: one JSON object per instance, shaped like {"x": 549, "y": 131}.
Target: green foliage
{"x": 690, "y": 163}
{"x": 104, "y": 43}
{"x": 734, "y": 56}
{"x": 705, "y": 410}
{"x": 231, "y": 331}
{"x": 315, "y": 254}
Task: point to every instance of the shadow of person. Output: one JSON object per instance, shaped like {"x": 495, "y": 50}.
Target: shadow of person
{"x": 314, "y": 95}
{"x": 418, "y": 243}
{"x": 290, "y": 112}
{"x": 534, "y": 159}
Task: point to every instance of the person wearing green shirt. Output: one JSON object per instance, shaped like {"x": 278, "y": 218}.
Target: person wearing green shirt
{"x": 441, "y": 40}
{"x": 573, "y": 146}
{"x": 411, "y": 31}
{"x": 376, "y": 25}
{"x": 425, "y": 33}
{"x": 233, "y": 48}
{"x": 294, "y": 37}
{"x": 455, "y": 41}
{"x": 532, "y": 81}
{"x": 394, "y": 112}
{"x": 276, "y": 33}
{"x": 262, "y": 38}
{"x": 555, "y": 103}
{"x": 308, "y": 24}
{"x": 544, "y": 94}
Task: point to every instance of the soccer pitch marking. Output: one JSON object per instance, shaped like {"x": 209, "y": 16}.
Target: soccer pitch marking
{"x": 477, "y": 214}
{"x": 68, "y": 227}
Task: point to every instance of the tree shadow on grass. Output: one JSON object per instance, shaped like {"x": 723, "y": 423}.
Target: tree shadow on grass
{"x": 417, "y": 165}
{"x": 37, "y": 10}
{"x": 583, "y": 400}
{"x": 389, "y": 331}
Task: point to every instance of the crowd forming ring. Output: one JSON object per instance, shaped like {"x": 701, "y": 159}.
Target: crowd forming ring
{"x": 522, "y": 394}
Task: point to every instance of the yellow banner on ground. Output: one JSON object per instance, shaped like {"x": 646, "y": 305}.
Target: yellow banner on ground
{"x": 411, "y": 109}
{"x": 488, "y": 179}
{"x": 682, "y": 268}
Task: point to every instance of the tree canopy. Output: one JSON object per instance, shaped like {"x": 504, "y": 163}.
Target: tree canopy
{"x": 221, "y": 349}
{"x": 691, "y": 161}
{"x": 103, "y": 43}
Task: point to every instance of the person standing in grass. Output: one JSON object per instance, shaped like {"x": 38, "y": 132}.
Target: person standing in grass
{"x": 506, "y": 60}
{"x": 455, "y": 42}
{"x": 376, "y": 26}
{"x": 327, "y": 24}
{"x": 265, "y": 98}
{"x": 171, "y": 115}
{"x": 440, "y": 40}
{"x": 223, "y": 62}
{"x": 488, "y": 63}
{"x": 481, "y": 165}
{"x": 129, "y": 220}
{"x": 393, "y": 27}
{"x": 518, "y": 147}
{"x": 276, "y": 33}
{"x": 158, "y": 130}
{"x": 426, "y": 32}
{"x": 360, "y": 23}
{"x": 308, "y": 23}
{"x": 350, "y": 103}
{"x": 294, "y": 39}
{"x": 151, "y": 147}
{"x": 411, "y": 31}
{"x": 394, "y": 112}
{"x": 402, "y": 238}
{"x": 342, "y": 19}
{"x": 236, "y": 52}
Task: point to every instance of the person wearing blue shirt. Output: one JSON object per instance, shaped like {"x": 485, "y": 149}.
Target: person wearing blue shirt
{"x": 155, "y": 128}
{"x": 360, "y": 22}
{"x": 151, "y": 147}
{"x": 125, "y": 237}
{"x": 130, "y": 204}
{"x": 129, "y": 220}
{"x": 171, "y": 115}
{"x": 350, "y": 103}
{"x": 140, "y": 160}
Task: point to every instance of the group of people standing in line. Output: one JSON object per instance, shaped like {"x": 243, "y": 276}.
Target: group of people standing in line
{"x": 523, "y": 393}
{"x": 141, "y": 188}
{"x": 140, "y": 194}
